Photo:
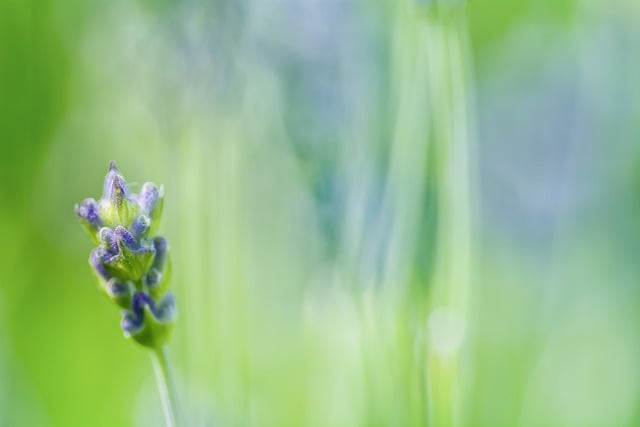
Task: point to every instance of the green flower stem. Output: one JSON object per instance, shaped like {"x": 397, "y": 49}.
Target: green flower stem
{"x": 166, "y": 385}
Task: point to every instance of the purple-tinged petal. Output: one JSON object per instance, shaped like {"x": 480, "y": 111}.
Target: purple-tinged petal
{"x": 89, "y": 212}
{"x": 158, "y": 278}
{"x": 108, "y": 237}
{"x": 140, "y": 301}
{"x": 149, "y": 197}
{"x": 165, "y": 311}
{"x": 119, "y": 292}
{"x": 115, "y": 186}
{"x": 153, "y": 278}
{"x": 161, "y": 244}
{"x": 150, "y": 323}
{"x": 126, "y": 238}
{"x": 128, "y": 242}
{"x": 117, "y": 206}
{"x": 116, "y": 288}
{"x": 131, "y": 323}
{"x": 97, "y": 262}
{"x": 140, "y": 226}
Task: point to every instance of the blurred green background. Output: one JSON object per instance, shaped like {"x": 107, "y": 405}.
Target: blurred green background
{"x": 381, "y": 213}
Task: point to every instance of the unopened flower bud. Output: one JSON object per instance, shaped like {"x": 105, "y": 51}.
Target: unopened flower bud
{"x": 150, "y": 201}
{"x": 149, "y": 197}
{"x": 158, "y": 279}
{"x": 148, "y": 323}
{"x": 117, "y": 205}
{"x": 153, "y": 278}
{"x": 118, "y": 292}
{"x": 115, "y": 186}
{"x": 89, "y": 214}
{"x": 97, "y": 262}
{"x": 108, "y": 237}
{"x": 140, "y": 226}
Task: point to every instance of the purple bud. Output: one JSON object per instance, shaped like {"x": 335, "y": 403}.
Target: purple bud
{"x": 89, "y": 212}
{"x": 116, "y": 288}
{"x": 161, "y": 245}
{"x": 140, "y": 226}
{"x": 163, "y": 312}
{"x": 109, "y": 254}
{"x": 153, "y": 278}
{"x": 115, "y": 186}
{"x": 149, "y": 197}
{"x": 97, "y": 262}
{"x": 131, "y": 323}
{"x": 108, "y": 237}
{"x": 140, "y": 301}
{"x": 128, "y": 242}
{"x": 126, "y": 238}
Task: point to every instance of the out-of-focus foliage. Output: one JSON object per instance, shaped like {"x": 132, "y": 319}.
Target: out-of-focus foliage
{"x": 381, "y": 213}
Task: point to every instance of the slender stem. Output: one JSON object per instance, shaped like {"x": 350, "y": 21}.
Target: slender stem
{"x": 166, "y": 386}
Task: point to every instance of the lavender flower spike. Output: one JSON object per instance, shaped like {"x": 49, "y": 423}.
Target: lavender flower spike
{"x": 130, "y": 262}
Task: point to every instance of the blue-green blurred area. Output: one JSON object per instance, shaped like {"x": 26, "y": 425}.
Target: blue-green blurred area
{"x": 400, "y": 213}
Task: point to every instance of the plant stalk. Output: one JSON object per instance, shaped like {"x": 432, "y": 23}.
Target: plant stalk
{"x": 166, "y": 384}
